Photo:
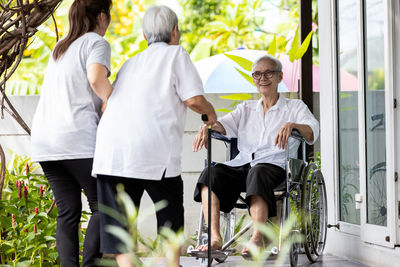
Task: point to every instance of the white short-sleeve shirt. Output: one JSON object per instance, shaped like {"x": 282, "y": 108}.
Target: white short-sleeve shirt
{"x": 256, "y": 132}
{"x": 140, "y": 133}
{"x": 65, "y": 122}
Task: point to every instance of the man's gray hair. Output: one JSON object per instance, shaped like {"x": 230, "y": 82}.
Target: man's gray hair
{"x": 278, "y": 64}
{"x": 158, "y": 24}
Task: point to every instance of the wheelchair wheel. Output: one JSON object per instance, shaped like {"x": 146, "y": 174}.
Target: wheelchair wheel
{"x": 314, "y": 219}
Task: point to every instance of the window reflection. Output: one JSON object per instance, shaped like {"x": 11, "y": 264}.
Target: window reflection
{"x": 375, "y": 113}
{"x": 348, "y": 28}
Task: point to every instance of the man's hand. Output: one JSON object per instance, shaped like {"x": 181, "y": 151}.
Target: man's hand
{"x": 201, "y": 138}
{"x": 282, "y": 138}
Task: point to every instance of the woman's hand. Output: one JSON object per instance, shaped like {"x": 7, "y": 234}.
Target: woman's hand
{"x": 284, "y": 133}
{"x": 201, "y": 138}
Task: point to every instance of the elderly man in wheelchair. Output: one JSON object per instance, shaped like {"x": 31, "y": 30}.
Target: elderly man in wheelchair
{"x": 262, "y": 129}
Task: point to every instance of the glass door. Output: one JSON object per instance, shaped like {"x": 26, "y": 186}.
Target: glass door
{"x": 348, "y": 57}
{"x": 377, "y": 148}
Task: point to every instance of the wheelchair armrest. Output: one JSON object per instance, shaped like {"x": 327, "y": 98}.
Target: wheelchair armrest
{"x": 296, "y": 135}
{"x": 220, "y": 136}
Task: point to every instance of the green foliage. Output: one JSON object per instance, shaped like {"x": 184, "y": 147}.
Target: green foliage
{"x": 243, "y": 62}
{"x": 28, "y": 78}
{"x": 271, "y": 231}
{"x": 237, "y": 97}
{"x": 208, "y": 27}
{"x": 27, "y": 231}
{"x": 295, "y": 52}
{"x": 196, "y": 15}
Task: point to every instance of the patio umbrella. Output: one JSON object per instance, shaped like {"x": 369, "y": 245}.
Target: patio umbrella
{"x": 219, "y": 74}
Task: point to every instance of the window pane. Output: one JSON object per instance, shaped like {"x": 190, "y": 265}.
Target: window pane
{"x": 348, "y": 57}
{"x": 375, "y": 112}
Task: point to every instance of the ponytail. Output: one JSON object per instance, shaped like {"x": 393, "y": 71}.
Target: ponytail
{"x": 82, "y": 19}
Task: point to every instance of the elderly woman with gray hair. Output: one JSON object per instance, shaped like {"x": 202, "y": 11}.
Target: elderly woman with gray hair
{"x": 262, "y": 128}
{"x": 139, "y": 138}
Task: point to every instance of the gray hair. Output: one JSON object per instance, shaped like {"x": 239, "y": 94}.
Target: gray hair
{"x": 158, "y": 24}
{"x": 278, "y": 64}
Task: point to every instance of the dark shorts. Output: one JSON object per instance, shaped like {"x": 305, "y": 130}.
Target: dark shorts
{"x": 228, "y": 182}
{"x": 168, "y": 189}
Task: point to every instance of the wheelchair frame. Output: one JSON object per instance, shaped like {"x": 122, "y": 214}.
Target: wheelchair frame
{"x": 304, "y": 185}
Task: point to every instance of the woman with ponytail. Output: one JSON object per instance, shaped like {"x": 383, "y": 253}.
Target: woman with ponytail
{"x": 65, "y": 123}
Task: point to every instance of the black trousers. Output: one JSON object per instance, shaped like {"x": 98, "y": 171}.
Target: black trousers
{"x": 169, "y": 189}
{"x": 67, "y": 178}
{"x": 228, "y": 182}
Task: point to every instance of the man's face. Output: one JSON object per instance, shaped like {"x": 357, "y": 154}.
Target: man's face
{"x": 268, "y": 79}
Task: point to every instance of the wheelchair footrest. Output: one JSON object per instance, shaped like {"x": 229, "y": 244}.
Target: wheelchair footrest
{"x": 216, "y": 254}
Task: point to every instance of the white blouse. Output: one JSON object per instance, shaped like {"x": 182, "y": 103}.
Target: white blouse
{"x": 140, "y": 133}
{"x": 65, "y": 122}
{"x": 256, "y": 133}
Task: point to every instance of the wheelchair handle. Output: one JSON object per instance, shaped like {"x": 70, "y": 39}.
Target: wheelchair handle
{"x": 215, "y": 134}
{"x": 220, "y": 136}
{"x": 296, "y": 135}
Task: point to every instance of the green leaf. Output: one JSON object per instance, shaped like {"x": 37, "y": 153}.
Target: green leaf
{"x": 304, "y": 46}
{"x": 29, "y": 247}
{"x": 41, "y": 246}
{"x": 223, "y": 110}
{"x": 122, "y": 235}
{"x": 246, "y": 76}
{"x": 272, "y": 47}
{"x": 243, "y": 62}
{"x": 237, "y": 97}
{"x": 49, "y": 238}
{"x": 294, "y": 47}
{"x": 30, "y": 217}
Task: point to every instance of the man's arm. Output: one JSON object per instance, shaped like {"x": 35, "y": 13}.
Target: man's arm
{"x": 284, "y": 133}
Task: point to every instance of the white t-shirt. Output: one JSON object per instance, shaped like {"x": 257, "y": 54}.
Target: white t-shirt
{"x": 65, "y": 123}
{"x": 140, "y": 133}
{"x": 256, "y": 133}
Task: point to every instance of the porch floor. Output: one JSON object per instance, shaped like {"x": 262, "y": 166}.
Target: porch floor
{"x": 236, "y": 261}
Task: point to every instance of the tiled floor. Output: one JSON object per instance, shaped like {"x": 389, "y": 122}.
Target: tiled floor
{"x": 237, "y": 261}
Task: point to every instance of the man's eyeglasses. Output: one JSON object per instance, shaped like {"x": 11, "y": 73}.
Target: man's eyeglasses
{"x": 267, "y": 74}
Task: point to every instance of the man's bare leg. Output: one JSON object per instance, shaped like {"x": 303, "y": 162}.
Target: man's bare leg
{"x": 216, "y": 239}
{"x": 259, "y": 214}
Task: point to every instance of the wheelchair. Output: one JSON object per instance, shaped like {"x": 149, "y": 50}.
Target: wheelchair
{"x": 303, "y": 190}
